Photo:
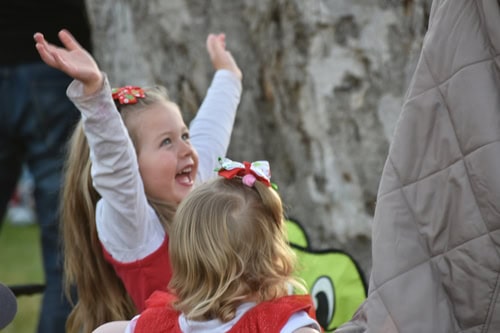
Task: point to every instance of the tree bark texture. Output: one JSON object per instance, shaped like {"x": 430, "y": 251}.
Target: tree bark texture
{"x": 322, "y": 90}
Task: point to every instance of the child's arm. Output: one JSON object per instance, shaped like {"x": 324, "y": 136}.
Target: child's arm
{"x": 212, "y": 127}
{"x": 124, "y": 218}
{"x": 127, "y": 226}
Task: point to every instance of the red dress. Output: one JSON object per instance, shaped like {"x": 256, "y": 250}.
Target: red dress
{"x": 142, "y": 277}
{"x": 269, "y": 316}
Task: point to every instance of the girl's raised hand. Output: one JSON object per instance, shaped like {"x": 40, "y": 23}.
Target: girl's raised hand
{"x": 220, "y": 57}
{"x": 72, "y": 59}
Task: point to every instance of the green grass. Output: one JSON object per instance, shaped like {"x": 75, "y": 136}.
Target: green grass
{"x": 21, "y": 263}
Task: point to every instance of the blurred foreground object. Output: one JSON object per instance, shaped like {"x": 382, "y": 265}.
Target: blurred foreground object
{"x": 8, "y": 306}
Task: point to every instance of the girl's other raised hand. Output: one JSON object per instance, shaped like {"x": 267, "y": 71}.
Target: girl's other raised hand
{"x": 220, "y": 57}
{"x": 71, "y": 59}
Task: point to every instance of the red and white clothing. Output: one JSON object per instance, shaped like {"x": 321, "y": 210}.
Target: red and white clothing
{"x": 142, "y": 277}
{"x": 285, "y": 315}
{"x": 129, "y": 229}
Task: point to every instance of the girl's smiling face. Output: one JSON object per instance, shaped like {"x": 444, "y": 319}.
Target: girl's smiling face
{"x": 167, "y": 161}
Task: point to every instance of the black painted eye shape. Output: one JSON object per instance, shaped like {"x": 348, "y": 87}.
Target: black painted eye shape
{"x": 323, "y": 293}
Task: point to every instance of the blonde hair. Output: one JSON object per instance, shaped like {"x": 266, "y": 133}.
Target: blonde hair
{"x": 227, "y": 246}
{"x": 101, "y": 296}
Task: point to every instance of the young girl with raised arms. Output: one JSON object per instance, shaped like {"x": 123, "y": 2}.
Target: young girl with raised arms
{"x": 232, "y": 266}
{"x": 131, "y": 162}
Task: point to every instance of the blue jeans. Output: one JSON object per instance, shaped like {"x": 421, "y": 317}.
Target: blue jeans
{"x": 36, "y": 119}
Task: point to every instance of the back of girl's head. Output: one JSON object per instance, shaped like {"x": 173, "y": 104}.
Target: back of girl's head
{"x": 227, "y": 246}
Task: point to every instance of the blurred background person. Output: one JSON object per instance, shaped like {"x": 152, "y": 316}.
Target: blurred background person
{"x": 36, "y": 119}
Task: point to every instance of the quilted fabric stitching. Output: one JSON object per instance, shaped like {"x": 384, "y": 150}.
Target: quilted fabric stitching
{"x": 462, "y": 160}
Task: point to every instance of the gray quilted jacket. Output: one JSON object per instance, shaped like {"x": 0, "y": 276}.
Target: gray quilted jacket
{"x": 436, "y": 231}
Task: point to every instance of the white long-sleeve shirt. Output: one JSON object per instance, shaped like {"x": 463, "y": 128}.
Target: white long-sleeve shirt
{"x": 127, "y": 225}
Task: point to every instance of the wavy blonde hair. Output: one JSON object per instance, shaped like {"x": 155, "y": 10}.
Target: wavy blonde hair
{"x": 101, "y": 296}
{"x": 228, "y": 245}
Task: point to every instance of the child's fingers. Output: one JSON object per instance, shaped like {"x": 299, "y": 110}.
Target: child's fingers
{"x": 38, "y": 37}
{"x": 221, "y": 39}
{"x": 216, "y": 46}
{"x": 68, "y": 40}
{"x": 45, "y": 49}
{"x": 46, "y": 56}
{"x": 63, "y": 64}
{"x": 49, "y": 54}
{"x": 211, "y": 48}
{"x": 220, "y": 57}
{"x": 210, "y": 44}
{"x": 40, "y": 40}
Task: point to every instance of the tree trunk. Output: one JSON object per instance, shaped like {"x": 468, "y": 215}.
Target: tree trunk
{"x": 322, "y": 89}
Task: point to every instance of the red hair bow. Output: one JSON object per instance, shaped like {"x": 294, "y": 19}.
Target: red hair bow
{"x": 250, "y": 172}
{"x": 127, "y": 94}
